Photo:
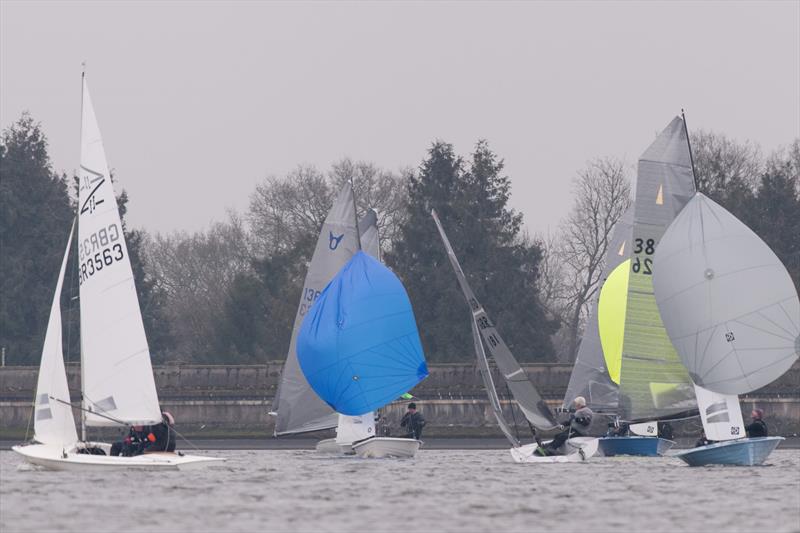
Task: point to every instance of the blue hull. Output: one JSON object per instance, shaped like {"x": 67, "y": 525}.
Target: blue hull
{"x": 740, "y": 452}
{"x": 641, "y": 446}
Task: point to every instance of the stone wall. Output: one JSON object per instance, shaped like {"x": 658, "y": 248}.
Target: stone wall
{"x": 235, "y": 400}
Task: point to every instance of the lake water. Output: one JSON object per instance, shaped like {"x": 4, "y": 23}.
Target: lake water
{"x": 446, "y": 490}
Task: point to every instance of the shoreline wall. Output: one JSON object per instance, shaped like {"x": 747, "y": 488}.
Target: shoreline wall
{"x": 216, "y": 400}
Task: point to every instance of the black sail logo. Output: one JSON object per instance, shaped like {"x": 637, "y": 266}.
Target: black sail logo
{"x": 94, "y": 181}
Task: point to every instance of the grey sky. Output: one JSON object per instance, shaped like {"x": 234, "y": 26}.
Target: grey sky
{"x": 199, "y": 101}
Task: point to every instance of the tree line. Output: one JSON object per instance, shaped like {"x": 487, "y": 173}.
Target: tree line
{"x": 228, "y": 294}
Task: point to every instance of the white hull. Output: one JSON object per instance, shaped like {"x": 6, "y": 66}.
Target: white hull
{"x": 382, "y": 447}
{"x": 577, "y": 450}
{"x": 53, "y": 458}
{"x": 330, "y": 446}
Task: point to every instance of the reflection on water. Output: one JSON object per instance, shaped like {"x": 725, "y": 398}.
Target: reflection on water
{"x": 450, "y": 490}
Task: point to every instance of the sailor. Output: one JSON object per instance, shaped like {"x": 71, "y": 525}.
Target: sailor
{"x": 413, "y": 421}
{"x": 161, "y": 437}
{"x": 757, "y": 428}
{"x": 578, "y": 426}
{"x": 131, "y": 445}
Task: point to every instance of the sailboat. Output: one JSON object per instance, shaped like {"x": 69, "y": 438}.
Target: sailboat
{"x": 118, "y": 388}
{"x": 530, "y": 402}
{"x": 359, "y": 348}
{"x": 626, "y": 365}
{"x": 297, "y": 408}
{"x": 733, "y": 314}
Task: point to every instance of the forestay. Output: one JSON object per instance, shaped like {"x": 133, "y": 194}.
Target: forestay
{"x": 727, "y": 301}
{"x": 117, "y": 376}
{"x": 53, "y": 421}
{"x": 359, "y": 346}
{"x": 597, "y": 365}
{"x": 653, "y": 381}
{"x": 530, "y": 402}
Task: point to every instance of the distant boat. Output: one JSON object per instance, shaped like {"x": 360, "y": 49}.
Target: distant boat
{"x": 733, "y": 314}
{"x": 297, "y": 407}
{"x": 359, "y": 348}
{"x": 530, "y": 402}
{"x": 118, "y": 388}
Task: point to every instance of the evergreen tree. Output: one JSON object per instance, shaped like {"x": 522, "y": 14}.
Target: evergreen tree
{"x": 35, "y": 217}
{"x": 472, "y": 202}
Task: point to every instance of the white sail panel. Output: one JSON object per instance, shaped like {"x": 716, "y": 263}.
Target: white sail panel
{"x": 726, "y": 300}
{"x": 297, "y": 407}
{"x": 117, "y": 374}
{"x": 352, "y": 429}
{"x": 53, "y": 422}
{"x": 721, "y": 415}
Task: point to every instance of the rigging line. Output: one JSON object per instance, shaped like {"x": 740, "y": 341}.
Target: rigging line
{"x": 82, "y": 408}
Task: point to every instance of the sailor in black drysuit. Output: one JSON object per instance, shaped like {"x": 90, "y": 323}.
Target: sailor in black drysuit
{"x": 131, "y": 445}
{"x": 577, "y": 426}
{"x": 757, "y": 428}
{"x": 413, "y": 421}
{"x": 161, "y": 437}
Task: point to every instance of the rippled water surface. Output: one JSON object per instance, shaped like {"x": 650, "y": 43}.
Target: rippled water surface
{"x": 449, "y": 490}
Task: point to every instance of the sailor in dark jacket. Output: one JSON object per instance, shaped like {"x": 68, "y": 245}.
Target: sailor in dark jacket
{"x": 161, "y": 437}
{"x": 413, "y": 421}
{"x": 578, "y": 426}
{"x": 757, "y": 428}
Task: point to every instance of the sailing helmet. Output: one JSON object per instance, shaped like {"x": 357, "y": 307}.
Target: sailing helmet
{"x": 168, "y": 418}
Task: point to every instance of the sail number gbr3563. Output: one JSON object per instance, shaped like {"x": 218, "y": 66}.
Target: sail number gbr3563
{"x": 643, "y": 250}
{"x": 100, "y": 250}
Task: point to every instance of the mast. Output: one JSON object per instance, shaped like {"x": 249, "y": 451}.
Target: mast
{"x": 77, "y": 222}
{"x": 689, "y": 144}
{"x": 355, "y": 212}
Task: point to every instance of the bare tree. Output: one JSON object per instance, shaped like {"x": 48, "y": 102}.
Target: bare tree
{"x": 724, "y": 167}
{"x": 196, "y": 272}
{"x": 376, "y": 189}
{"x": 286, "y": 213}
{"x": 575, "y": 258}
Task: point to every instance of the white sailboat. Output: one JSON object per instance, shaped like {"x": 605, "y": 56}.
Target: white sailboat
{"x": 118, "y": 388}
{"x": 733, "y": 314}
{"x": 536, "y": 411}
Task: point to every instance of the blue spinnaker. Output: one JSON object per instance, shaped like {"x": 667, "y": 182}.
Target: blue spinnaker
{"x": 359, "y": 346}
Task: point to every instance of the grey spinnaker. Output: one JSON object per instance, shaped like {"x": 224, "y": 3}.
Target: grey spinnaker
{"x": 727, "y": 301}
{"x": 653, "y": 381}
{"x": 298, "y": 409}
{"x": 590, "y": 376}
{"x": 530, "y": 402}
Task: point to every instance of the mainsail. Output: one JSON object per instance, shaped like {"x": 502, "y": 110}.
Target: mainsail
{"x": 53, "y": 421}
{"x": 727, "y": 301}
{"x": 597, "y": 366}
{"x": 117, "y": 376}
{"x": 359, "y": 346}
{"x": 653, "y": 381}
{"x": 491, "y": 391}
{"x": 530, "y": 402}
{"x": 298, "y": 409}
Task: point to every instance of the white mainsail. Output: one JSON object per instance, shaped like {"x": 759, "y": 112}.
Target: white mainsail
{"x": 53, "y": 421}
{"x": 720, "y": 414}
{"x": 726, "y": 300}
{"x": 117, "y": 376}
